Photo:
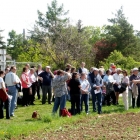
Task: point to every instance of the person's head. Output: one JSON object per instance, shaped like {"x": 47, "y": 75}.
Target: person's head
{"x": 111, "y": 64}
{"x": 75, "y": 75}
{"x": 73, "y": 69}
{"x": 13, "y": 69}
{"x": 60, "y": 73}
{"x": 108, "y": 72}
{"x": 27, "y": 66}
{"x": 68, "y": 69}
{"x": 91, "y": 69}
{"x": 34, "y": 67}
{"x": 119, "y": 70}
{"x": 113, "y": 68}
{"x": 96, "y": 71}
{"x": 25, "y": 69}
{"x": 39, "y": 67}
{"x": 55, "y": 72}
{"x": 135, "y": 71}
{"x": 83, "y": 76}
{"x": 32, "y": 70}
{"x": 83, "y": 64}
{"x": 101, "y": 71}
{"x": 68, "y": 66}
{"x": 7, "y": 70}
{"x": 131, "y": 72}
{"x": 2, "y": 74}
{"x": 124, "y": 72}
{"x": 48, "y": 68}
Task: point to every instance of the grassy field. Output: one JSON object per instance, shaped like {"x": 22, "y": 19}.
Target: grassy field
{"x": 22, "y": 126}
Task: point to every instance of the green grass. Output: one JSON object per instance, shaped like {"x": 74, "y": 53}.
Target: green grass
{"x": 23, "y": 125}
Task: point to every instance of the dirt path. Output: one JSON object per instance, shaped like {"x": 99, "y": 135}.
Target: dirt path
{"x": 104, "y": 127}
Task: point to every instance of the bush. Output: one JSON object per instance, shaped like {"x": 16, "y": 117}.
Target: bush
{"x": 119, "y": 60}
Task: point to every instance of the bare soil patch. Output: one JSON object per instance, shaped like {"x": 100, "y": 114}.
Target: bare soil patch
{"x": 103, "y": 127}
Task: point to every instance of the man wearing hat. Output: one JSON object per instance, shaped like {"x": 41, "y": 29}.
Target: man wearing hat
{"x": 96, "y": 83}
{"x": 135, "y": 78}
{"x": 46, "y": 78}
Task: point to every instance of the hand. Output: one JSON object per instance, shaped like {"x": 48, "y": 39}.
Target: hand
{"x": 83, "y": 92}
{"x": 97, "y": 87}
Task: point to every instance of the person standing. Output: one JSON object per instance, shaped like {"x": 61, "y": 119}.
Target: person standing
{"x": 83, "y": 69}
{"x": 46, "y": 78}
{"x": 32, "y": 79}
{"x": 108, "y": 78}
{"x": 60, "y": 90}
{"x": 39, "y": 83}
{"x": 75, "y": 93}
{"x": 130, "y": 90}
{"x": 7, "y": 100}
{"x": 96, "y": 83}
{"x": 135, "y": 79}
{"x": 10, "y": 81}
{"x": 25, "y": 82}
{"x": 125, "y": 93}
{"x": 85, "y": 92}
{"x": 117, "y": 78}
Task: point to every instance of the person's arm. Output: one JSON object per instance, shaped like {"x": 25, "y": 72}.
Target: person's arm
{"x": 136, "y": 81}
{"x": 51, "y": 73}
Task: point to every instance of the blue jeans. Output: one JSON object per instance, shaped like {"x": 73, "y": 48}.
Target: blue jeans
{"x": 59, "y": 101}
{"x": 13, "y": 92}
{"x": 98, "y": 98}
{"x": 85, "y": 99}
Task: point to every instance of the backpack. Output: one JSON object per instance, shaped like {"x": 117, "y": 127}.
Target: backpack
{"x": 65, "y": 112}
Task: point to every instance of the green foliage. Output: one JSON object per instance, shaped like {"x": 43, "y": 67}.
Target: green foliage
{"x": 120, "y": 61}
{"x": 121, "y": 32}
{"x": 15, "y": 44}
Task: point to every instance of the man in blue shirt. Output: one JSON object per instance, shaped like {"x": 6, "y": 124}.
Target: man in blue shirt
{"x": 46, "y": 78}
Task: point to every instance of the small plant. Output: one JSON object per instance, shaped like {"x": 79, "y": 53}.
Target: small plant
{"x": 47, "y": 119}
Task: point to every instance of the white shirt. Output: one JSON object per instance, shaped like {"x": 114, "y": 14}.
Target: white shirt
{"x": 32, "y": 78}
{"x": 117, "y": 78}
{"x": 1, "y": 81}
{"x": 40, "y": 71}
{"x": 17, "y": 79}
{"x": 84, "y": 84}
{"x": 84, "y": 70}
{"x": 10, "y": 78}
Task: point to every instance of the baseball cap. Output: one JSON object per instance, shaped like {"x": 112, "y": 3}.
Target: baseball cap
{"x": 135, "y": 69}
{"x": 95, "y": 69}
{"x": 48, "y": 67}
{"x": 114, "y": 67}
{"x": 119, "y": 69}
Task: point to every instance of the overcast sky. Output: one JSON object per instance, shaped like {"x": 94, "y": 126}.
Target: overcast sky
{"x": 21, "y": 14}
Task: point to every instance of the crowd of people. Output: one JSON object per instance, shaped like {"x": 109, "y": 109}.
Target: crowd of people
{"x": 104, "y": 88}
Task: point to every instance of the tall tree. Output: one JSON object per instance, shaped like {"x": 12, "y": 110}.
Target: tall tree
{"x": 53, "y": 20}
{"x": 121, "y": 32}
{"x": 15, "y": 44}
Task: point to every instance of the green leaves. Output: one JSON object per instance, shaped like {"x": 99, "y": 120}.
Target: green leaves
{"x": 120, "y": 61}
